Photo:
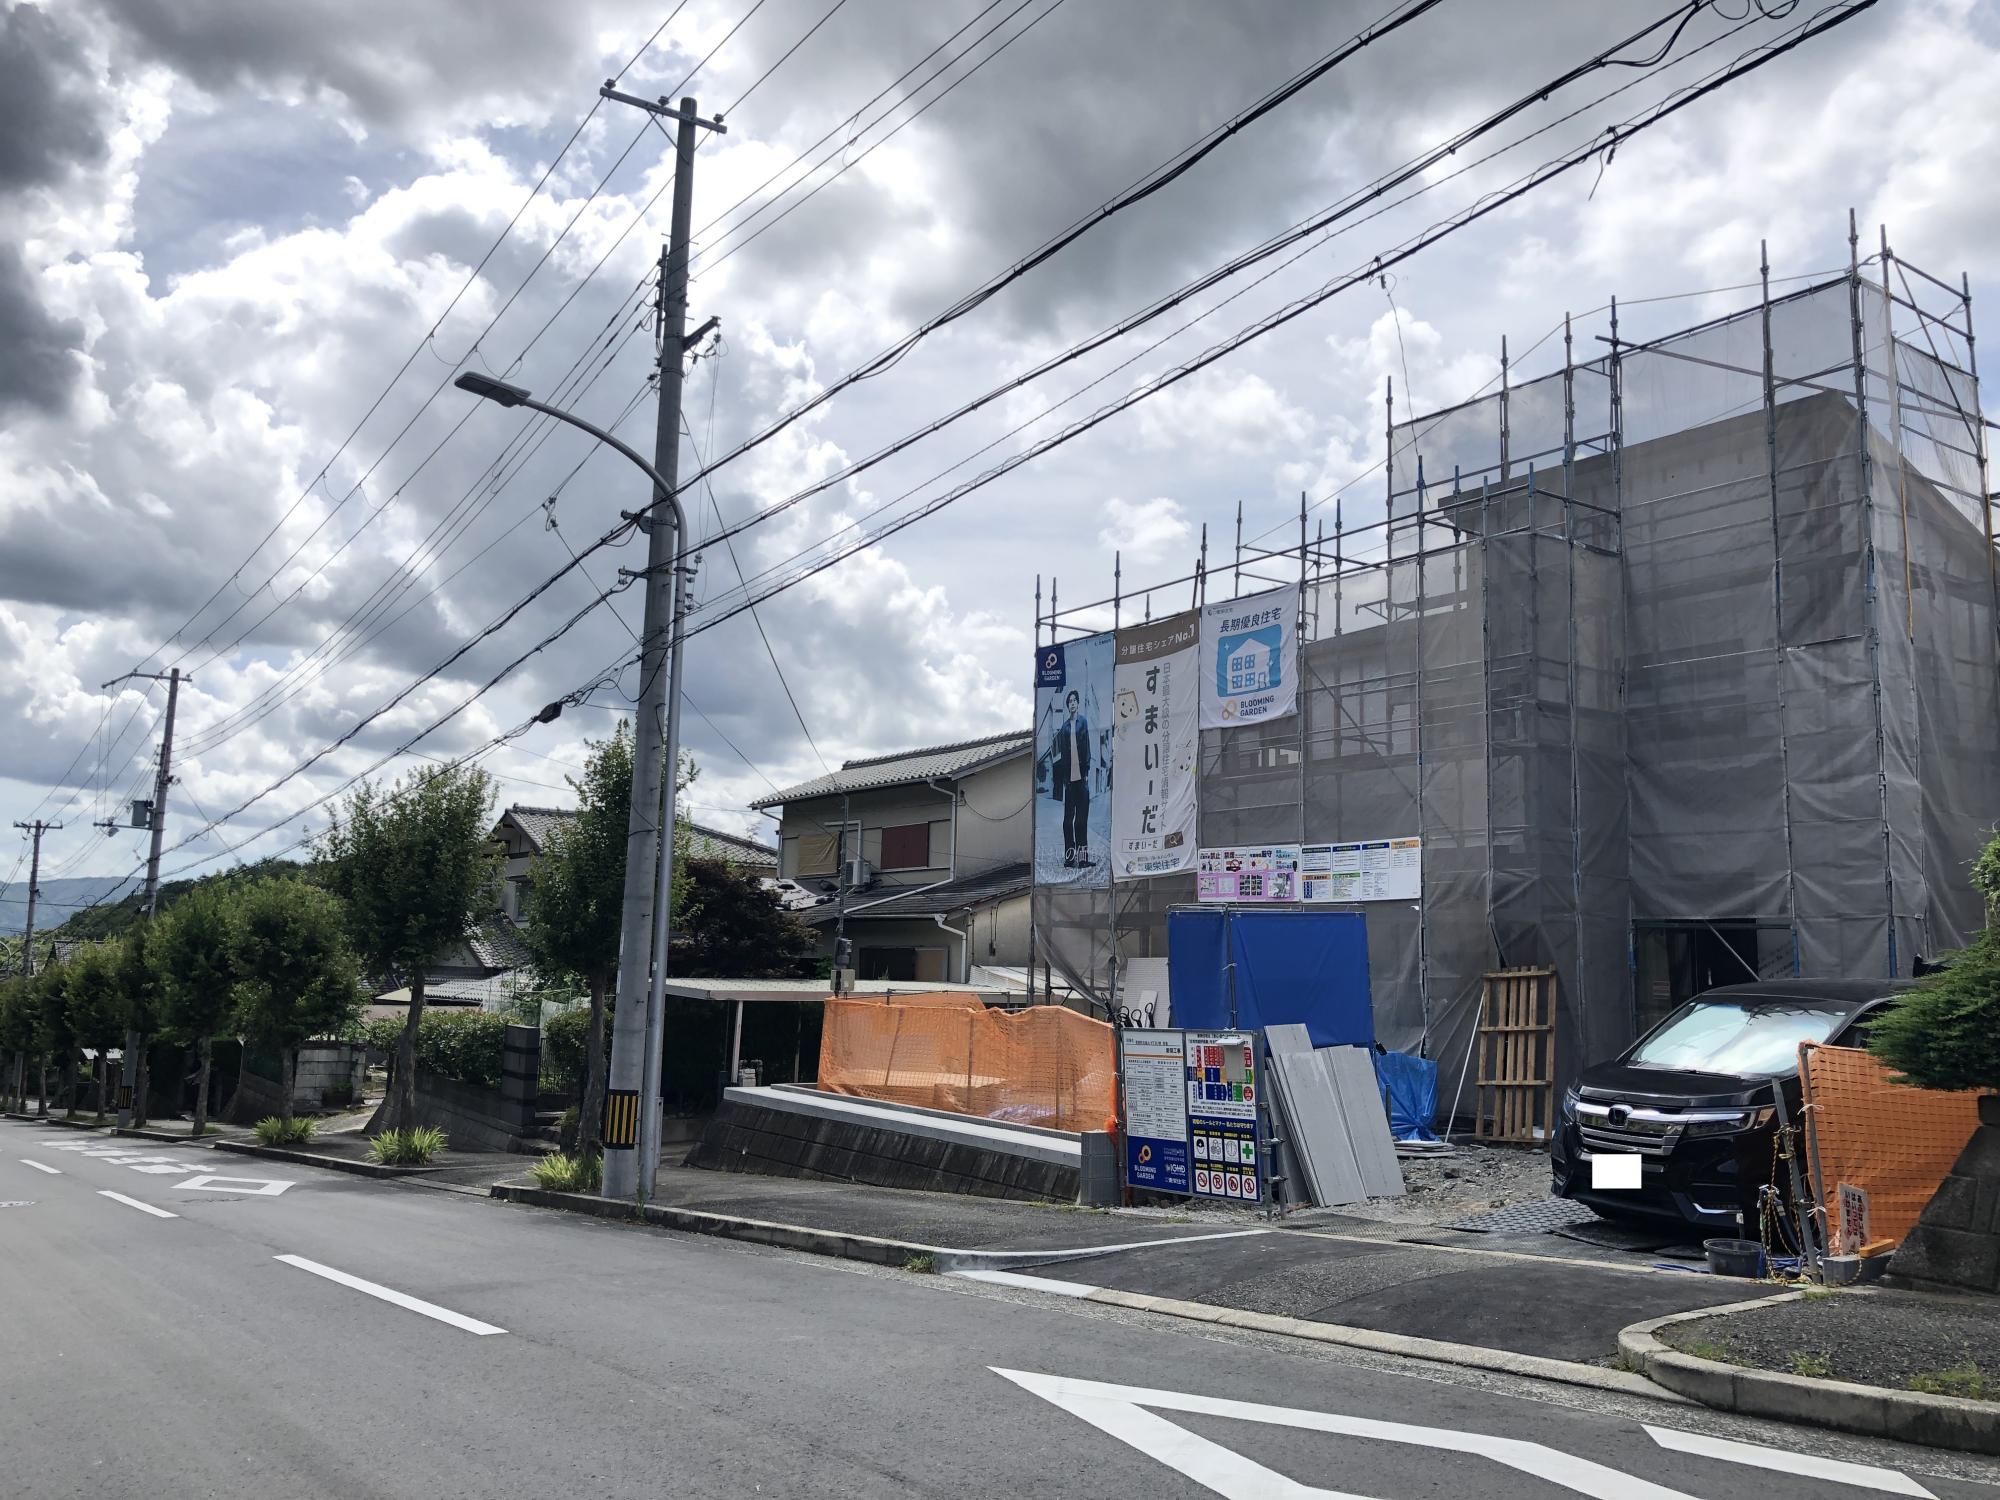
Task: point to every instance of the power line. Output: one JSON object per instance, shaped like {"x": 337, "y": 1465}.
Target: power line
{"x": 1303, "y": 231}
{"x": 1823, "y": 20}
{"x": 1137, "y": 192}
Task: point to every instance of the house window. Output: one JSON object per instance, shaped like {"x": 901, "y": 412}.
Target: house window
{"x": 907, "y": 847}
{"x": 822, "y": 847}
{"x": 905, "y": 964}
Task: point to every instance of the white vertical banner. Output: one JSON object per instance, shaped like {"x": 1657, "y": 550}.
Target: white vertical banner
{"x": 1250, "y": 659}
{"x": 1157, "y": 704}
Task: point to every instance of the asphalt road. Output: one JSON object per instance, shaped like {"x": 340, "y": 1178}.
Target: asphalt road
{"x": 343, "y": 1337}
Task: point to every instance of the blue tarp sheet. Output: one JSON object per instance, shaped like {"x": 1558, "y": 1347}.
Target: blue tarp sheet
{"x": 1305, "y": 967}
{"x": 1410, "y": 1092}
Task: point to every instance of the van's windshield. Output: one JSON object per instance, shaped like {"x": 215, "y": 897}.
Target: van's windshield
{"x": 1747, "y": 1039}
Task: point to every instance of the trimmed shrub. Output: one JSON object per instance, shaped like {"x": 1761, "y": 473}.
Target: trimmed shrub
{"x": 569, "y": 1174}
{"x": 272, "y": 1131}
{"x": 408, "y": 1148}
{"x": 465, "y": 1046}
{"x": 564, "y": 1041}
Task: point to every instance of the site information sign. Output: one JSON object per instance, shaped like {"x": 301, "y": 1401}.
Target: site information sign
{"x": 1248, "y": 875}
{"x": 1222, "y": 1074}
{"x": 1191, "y": 1112}
{"x": 1375, "y": 870}
{"x": 1154, "y": 1067}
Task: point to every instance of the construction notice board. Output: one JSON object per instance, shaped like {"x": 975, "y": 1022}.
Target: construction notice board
{"x": 1373, "y": 870}
{"x": 1192, "y": 1117}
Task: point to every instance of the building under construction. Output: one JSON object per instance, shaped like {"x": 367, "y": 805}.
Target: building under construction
{"x": 1681, "y": 660}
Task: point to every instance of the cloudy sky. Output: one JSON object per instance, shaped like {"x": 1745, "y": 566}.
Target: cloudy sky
{"x": 237, "y": 246}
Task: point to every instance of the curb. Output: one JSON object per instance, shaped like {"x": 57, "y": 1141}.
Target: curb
{"x": 1437, "y": 1351}
{"x": 210, "y": 1140}
{"x": 56, "y": 1120}
{"x": 897, "y": 1253}
{"x": 838, "y": 1243}
{"x": 1953, "y": 1422}
{"x": 313, "y": 1159}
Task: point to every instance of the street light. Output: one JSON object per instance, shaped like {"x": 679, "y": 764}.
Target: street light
{"x": 654, "y": 695}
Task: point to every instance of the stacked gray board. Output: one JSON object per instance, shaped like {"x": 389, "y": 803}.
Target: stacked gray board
{"x": 1350, "y": 1074}
{"x": 1315, "y": 1125}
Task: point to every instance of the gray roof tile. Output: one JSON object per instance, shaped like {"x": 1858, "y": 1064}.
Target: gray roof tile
{"x": 906, "y": 766}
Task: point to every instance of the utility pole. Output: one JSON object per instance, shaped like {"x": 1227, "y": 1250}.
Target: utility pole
{"x": 132, "y": 1081}
{"x": 632, "y": 1098}
{"x": 35, "y": 830}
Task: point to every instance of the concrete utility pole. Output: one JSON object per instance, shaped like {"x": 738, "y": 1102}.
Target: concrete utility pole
{"x": 632, "y": 1098}
{"x": 35, "y": 830}
{"x": 131, "y": 1082}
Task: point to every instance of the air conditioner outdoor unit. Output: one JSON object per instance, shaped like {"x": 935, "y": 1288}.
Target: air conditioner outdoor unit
{"x": 856, "y": 873}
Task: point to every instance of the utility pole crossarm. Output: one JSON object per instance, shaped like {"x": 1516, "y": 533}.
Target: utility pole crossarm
{"x": 685, "y": 114}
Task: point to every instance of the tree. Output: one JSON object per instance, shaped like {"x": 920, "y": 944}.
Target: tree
{"x": 194, "y": 959}
{"x": 1945, "y": 1034}
{"x": 576, "y": 902}
{"x": 296, "y": 977}
{"x": 730, "y": 927}
{"x": 96, "y": 1008}
{"x": 140, "y": 986}
{"x": 416, "y": 869}
{"x": 53, "y": 1036}
{"x": 17, "y": 1039}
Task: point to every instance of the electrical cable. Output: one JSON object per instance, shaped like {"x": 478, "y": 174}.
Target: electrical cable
{"x": 854, "y": 135}
{"x": 1824, "y": 20}
{"x": 1303, "y": 231}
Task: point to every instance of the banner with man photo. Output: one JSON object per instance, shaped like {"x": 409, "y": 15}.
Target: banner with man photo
{"x": 1073, "y": 762}
{"x": 1157, "y": 746}
{"x": 1250, "y": 659}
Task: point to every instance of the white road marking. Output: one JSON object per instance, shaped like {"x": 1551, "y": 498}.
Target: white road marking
{"x": 1032, "y": 1283}
{"x": 1118, "y": 1410}
{"x": 250, "y": 1187}
{"x": 1868, "y": 1476}
{"x": 52, "y": 1171}
{"x": 400, "y": 1299}
{"x": 144, "y": 1208}
{"x": 164, "y": 1168}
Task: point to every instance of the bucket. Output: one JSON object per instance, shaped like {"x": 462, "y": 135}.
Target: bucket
{"x": 1734, "y": 1257}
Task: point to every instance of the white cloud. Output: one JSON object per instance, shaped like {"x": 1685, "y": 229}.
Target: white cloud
{"x": 1148, "y": 530}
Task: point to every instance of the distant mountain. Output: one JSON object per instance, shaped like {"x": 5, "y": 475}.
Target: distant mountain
{"x": 60, "y": 898}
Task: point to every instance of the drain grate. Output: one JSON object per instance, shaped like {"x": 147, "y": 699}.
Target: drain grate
{"x": 1540, "y": 1217}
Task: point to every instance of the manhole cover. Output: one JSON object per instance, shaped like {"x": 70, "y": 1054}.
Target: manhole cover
{"x": 1527, "y": 1218}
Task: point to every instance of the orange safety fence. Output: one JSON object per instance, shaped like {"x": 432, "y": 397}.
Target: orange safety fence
{"x": 1895, "y": 1141}
{"x": 1042, "y": 1066}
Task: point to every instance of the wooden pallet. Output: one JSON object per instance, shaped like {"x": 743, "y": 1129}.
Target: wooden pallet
{"x": 1515, "y": 1099}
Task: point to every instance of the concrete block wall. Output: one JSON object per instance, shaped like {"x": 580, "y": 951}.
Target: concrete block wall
{"x": 779, "y": 1143}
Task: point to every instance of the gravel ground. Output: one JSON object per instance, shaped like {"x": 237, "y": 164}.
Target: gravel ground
{"x": 1872, "y": 1338}
{"x": 1472, "y": 1180}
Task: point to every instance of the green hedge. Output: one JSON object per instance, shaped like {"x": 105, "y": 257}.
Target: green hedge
{"x": 564, "y": 1041}
{"x": 465, "y": 1046}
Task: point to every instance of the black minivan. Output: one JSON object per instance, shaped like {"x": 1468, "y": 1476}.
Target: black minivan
{"x": 1692, "y": 1098}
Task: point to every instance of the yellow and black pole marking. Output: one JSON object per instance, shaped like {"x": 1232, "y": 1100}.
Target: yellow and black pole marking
{"x": 621, "y": 1119}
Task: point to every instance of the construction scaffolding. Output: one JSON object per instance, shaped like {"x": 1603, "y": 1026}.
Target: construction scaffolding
{"x": 1685, "y": 648}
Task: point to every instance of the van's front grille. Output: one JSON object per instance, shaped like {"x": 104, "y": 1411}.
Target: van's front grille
{"x": 1651, "y": 1132}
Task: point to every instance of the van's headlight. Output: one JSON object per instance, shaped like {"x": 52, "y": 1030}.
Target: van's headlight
{"x": 1725, "y": 1122}
{"x": 1570, "y": 1096}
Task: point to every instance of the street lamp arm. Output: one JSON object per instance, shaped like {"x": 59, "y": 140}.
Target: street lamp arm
{"x": 611, "y": 440}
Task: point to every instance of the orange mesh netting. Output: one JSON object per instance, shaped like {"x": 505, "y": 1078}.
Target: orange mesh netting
{"x": 1896, "y": 1141}
{"x": 1041, "y": 1066}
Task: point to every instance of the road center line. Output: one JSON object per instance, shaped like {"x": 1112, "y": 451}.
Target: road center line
{"x": 400, "y": 1299}
{"x": 52, "y": 1171}
{"x": 144, "y": 1208}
